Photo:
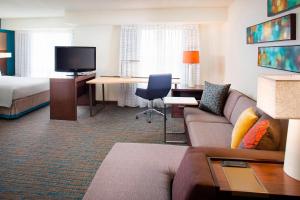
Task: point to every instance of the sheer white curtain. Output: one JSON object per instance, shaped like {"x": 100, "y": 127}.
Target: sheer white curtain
{"x": 129, "y": 44}
{"x": 35, "y": 51}
{"x": 23, "y": 53}
{"x": 159, "y": 49}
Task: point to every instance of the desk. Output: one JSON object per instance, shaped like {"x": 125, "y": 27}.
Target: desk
{"x": 117, "y": 80}
{"x": 68, "y": 92}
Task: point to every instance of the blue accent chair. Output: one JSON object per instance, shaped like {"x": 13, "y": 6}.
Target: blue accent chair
{"x": 159, "y": 86}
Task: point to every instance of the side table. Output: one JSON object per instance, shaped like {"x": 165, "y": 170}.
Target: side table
{"x": 177, "y": 110}
{"x": 183, "y": 101}
{"x": 270, "y": 175}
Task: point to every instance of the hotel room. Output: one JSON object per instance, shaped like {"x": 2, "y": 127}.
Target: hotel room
{"x": 143, "y": 100}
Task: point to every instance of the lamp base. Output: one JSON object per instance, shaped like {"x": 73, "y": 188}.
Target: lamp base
{"x": 292, "y": 151}
{"x": 190, "y": 78}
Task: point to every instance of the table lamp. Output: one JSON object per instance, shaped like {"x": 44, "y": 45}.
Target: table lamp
{"x": 279, "y": 97}
{"x": 190, "y": 58}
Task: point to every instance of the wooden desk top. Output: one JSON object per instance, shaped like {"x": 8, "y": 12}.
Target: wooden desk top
{"x": 118, "y": 80}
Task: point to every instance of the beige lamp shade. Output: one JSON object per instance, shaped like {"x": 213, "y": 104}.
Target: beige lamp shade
{"x": 5, "y": 55}
{"x": 279, "y": 96}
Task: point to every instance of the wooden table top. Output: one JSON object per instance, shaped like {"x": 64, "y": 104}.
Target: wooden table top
{"x": 119, "y": 80}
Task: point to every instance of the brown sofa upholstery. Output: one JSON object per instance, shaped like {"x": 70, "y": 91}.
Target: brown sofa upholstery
{"x": 208, "y": 130}
{"x": 136, "y": 172}
{"x": 146, "y": 171}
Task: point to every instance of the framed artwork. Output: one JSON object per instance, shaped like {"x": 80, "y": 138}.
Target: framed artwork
{"x": 280, "y": 29}
{"x": 280, "y": 57}
{"x": 279, "y": 6}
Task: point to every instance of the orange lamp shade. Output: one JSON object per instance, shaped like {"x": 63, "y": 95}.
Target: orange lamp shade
{"x": 191, "y": 57}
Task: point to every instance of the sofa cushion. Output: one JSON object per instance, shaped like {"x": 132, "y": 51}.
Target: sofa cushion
{"x": 214, "y": 97}
{"x": 197, "y": 115}
{"x": 232, "y": 98}
{"x": 136, "y": 171}
{"x": 193, "y": 180}
{"x": 209, "y": 134}
{"x": 242, "y": 104}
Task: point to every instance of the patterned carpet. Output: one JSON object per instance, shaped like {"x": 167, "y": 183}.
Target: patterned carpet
{"x": 50, "y": 159}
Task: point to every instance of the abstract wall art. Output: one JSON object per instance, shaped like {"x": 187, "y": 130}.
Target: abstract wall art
{"x": 280, "y": 29}
{"x": 280, "y": 57}
{"x": 278, "y": 6}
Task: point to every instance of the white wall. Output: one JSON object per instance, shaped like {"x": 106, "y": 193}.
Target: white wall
{"x": 106, "y": 39}
{"x": 241, "y": 59}
{"x": 139, "y": 16}
{"x": 212, "y": 54}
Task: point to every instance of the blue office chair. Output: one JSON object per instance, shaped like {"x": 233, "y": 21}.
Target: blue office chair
{"x": 159, "y": 86}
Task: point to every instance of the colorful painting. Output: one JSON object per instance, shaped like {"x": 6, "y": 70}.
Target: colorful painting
{"x": 278, "y": 6}
{"x": 280, "y": 29}
{"x": 283, "y": 58}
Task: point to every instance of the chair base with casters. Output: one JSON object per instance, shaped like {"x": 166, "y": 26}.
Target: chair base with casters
{"x": 149, "y": 112}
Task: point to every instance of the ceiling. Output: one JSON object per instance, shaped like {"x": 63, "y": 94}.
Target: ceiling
{"x": 54, "y": 8}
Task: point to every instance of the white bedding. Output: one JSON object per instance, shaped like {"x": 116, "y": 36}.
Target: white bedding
{"x": 12, "y": 87}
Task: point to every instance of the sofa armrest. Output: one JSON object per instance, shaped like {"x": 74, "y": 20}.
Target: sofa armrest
{"x": 251, "y": 154}
{"x": 193, "y": 179}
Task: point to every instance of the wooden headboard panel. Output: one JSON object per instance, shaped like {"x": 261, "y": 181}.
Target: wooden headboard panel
{"x": 3, "y": 48}
{"x": 3, "y": 41}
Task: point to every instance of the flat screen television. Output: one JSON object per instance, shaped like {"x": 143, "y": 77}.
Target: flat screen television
{"x": 75, "y": 59}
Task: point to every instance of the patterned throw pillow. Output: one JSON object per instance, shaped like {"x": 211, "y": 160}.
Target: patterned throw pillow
{"x": 264, "y": 135}
{"x": 214, "y": 97}
{"x": 255, "y": 134}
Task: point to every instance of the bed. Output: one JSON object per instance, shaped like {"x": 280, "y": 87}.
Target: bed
{"x": 21, "y": 95}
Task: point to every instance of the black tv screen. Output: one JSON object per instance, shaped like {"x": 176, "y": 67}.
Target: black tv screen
{"x": 75, "y": 59}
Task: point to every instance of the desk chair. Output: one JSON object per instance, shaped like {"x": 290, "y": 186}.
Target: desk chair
{"x": 159, "y": 86}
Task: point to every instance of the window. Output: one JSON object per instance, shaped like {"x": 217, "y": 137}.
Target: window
{"x": 42, "y": 51}
{"x": 161, "y": 51}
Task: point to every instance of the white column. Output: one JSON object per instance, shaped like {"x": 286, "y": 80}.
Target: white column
{"x": 292, "y": 152}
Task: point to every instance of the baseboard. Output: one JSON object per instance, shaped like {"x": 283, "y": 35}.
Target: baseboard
{"x": 108, "y": 102}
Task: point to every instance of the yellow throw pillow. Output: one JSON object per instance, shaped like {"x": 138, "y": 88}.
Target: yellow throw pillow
{"x": 245, "y": 121}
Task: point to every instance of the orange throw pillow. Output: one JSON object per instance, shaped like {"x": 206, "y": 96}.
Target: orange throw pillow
{"x": 255, "y": 134}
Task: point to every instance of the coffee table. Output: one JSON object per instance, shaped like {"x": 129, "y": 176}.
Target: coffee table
{"x": 183, "y": 101}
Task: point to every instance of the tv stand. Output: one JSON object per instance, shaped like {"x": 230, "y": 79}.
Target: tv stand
{"x": 67, "y": 93}
{"x": 75, "y": 74}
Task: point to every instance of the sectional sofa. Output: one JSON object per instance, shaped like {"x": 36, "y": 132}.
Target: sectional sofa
{"x": 208, "y": 130}
{"x": 147, "y": 171}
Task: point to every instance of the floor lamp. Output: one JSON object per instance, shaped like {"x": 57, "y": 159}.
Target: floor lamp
{"x": 190, "y": 58}
{"x": 279, "y": 96}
